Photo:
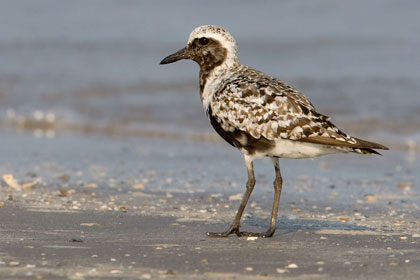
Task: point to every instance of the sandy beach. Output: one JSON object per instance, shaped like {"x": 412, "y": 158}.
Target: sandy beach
{"x": 122, "y": 209}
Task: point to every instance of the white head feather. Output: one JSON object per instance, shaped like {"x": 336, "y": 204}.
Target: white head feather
{"x": 222, "y": 36}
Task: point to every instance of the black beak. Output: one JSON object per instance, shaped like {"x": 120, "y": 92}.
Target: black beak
{"x": 181, "y": 54}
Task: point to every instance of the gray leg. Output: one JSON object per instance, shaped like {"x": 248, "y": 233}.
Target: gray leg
{"x": 278, "y": 182}
{"x": 234, "y": 228}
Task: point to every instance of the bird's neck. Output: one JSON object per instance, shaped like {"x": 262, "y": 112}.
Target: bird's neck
{"x": 211, "y": 79}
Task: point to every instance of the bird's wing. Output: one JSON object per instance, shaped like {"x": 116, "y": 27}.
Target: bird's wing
{"x": 263, "y": 106}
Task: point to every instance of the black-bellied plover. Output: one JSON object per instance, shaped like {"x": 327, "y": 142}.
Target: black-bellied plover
{"x": 260, "y": 115}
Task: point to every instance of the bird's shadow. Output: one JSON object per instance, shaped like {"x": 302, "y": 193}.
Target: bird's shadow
{"x": 287, "y": 225}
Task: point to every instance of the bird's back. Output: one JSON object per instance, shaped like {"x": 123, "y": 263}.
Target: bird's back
{"x": 256, "y": 112}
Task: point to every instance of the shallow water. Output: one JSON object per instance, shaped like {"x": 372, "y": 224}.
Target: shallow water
{"x": 77, "y": 64}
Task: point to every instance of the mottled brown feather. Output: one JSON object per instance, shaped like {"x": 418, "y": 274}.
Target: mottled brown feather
{"x": 266, "y": 108}
{"x": 361, "y": 144}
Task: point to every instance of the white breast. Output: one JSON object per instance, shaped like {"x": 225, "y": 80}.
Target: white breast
{"x": 212, "y": 83}
{"x": 215, "y": 80}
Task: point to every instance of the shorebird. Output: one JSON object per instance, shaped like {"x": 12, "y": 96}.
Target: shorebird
{"x": 260, "y": 115}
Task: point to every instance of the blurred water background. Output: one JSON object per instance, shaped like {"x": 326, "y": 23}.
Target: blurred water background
{"x": 93, "y": 66}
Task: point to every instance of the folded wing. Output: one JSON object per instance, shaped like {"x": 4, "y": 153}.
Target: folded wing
{"x": 262, "y": 106}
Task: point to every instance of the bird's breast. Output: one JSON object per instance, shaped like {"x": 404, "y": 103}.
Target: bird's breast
{"x": 211, "y": 82}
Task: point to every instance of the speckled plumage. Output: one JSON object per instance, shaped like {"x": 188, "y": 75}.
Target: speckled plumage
{"x": 258, "y": 114}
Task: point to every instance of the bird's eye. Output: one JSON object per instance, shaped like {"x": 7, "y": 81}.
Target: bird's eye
{"x": 203, "y": 41}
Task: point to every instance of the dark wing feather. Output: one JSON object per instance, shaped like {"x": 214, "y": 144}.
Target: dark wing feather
{"x": 263, "y": 106}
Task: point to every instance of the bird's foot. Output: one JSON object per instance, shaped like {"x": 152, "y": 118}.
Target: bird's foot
{"x": 231, "y": 230}
{"x": 235, "y": 230}
{"x": 265, "y": 234}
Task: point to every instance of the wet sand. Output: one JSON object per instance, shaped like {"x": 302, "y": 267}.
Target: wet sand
{"x": 139, "y": 208}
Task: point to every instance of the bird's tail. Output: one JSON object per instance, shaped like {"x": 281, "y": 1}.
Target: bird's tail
{"x": 367, "y": 147}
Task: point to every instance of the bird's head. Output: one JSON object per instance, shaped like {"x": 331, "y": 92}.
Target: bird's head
{"x": 208, "y": 45}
